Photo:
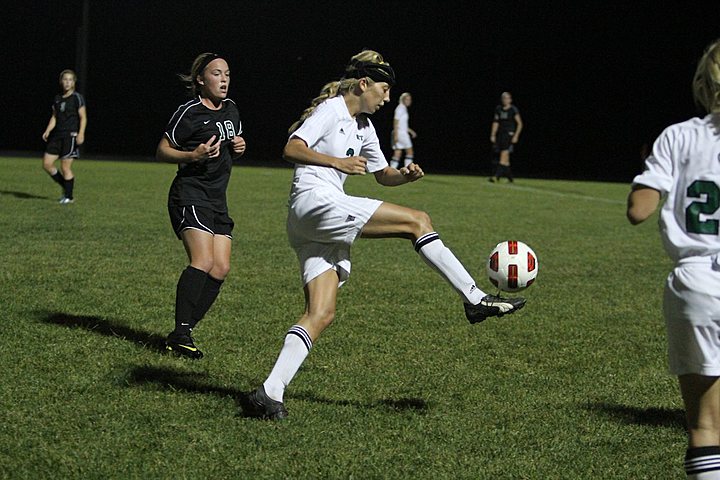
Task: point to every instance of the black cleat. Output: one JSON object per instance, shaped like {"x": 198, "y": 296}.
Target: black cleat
{"x": 492, "y": 306}
{"x": 182, "y": 345}
{"x": 265, "y": 407}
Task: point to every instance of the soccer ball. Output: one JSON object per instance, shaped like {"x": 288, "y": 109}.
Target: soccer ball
{"x": 512, "y": 266}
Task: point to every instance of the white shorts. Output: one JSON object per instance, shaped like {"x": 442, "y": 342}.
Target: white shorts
{"x": 322, "y": 224}
{"x": 403, "y": 141}
{"x": 691, "y": 306}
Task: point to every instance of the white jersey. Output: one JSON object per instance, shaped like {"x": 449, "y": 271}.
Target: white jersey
{"x": 685, "y": 167}
{"x": 331, "y": 130}
{"x": 402, "y": 117}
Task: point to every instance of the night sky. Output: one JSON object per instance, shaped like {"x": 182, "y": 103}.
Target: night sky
{"x": 593, "y": 80}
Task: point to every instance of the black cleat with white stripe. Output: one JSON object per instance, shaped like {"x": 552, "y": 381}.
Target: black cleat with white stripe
{"x": 265, "y": 407}
{"x": 492, "y": 306}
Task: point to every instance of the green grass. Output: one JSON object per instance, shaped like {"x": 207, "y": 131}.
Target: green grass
{"x": 401, "y": 386}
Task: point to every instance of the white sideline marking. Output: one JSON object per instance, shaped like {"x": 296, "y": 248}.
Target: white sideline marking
{"x": 559, "y": 194}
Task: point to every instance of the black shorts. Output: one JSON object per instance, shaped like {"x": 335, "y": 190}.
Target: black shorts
{"x": 200, "y": 218}
{"x": 504, "y": 141}
{"x": 64, "y": 147}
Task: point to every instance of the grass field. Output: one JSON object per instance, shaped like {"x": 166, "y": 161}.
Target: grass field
{"x": 401, "y": 386}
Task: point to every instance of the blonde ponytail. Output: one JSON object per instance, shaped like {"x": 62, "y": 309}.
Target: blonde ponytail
{"x": 706, "y": 83}
{"x": 342, "y": 86}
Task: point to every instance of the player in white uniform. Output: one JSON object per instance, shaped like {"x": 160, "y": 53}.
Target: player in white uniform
{"x": 334, "y": 138}
{"x": 402, "y": 134}
{"x": 685, "y": 169}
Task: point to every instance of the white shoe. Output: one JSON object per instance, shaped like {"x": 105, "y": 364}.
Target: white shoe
{"x": 65, "y": 200}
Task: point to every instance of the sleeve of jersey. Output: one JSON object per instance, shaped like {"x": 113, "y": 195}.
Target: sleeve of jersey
{"x": 81, "y": 100}
{"x": 371, "y": 150}
{"x": 659, "y": 166}
{"x": 316, "y": 126}
{"x": 179, "y": 129}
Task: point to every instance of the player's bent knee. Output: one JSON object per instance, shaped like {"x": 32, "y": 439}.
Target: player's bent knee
{"x": 202, "y": 264}
{"x": 220, "y": 270}
{"x": 422, "y": 223}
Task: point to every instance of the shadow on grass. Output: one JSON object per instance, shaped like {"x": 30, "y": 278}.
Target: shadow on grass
{"x": 173, "y": 379}
{"x": 397, "y": 404}
{"x": 108, "y": 328}
{"x": 23, "y": 195}
{"x": 654, "y": 417}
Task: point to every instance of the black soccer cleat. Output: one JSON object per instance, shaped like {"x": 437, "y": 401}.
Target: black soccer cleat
{"x": 182, "y": 345}
{"x": 265, "y": 407}
{"x": 492, "y": 306}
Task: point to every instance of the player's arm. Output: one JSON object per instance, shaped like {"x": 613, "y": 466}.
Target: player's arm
{"x": 412, "y": 132}
{"x": 167, "y": 153}
{"x": 493, "y": 130}
{"x": 642, "y": 202}
{"x": 391, "y": 177}
{"x": 297, "y": 151}
{"x": 396, "y": 122}
{"x": 50, "y": 126}
{"x": 82, "y": 113}
{"x": 518, "y": 128}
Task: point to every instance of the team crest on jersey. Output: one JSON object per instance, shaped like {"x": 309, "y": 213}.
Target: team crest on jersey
{"x": 342, "y": 131}
{"x": 62, "y": 106}
{"x": 359, "y": 137}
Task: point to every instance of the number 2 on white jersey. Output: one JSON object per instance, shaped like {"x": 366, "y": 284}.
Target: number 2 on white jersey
{"x": 709, "y": 206}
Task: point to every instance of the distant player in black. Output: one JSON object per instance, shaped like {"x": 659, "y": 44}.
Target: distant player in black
{"x": 65, "y": 132}
{"x": 504, "y": 134}
{"x": 202, "y": 137}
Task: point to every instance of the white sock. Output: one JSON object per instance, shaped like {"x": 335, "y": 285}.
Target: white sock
{"x": 442, "y": 260}
{"x": 409, "y": 159}
{"x": 296, "y": 348}
{"x": 395, "y": 162}
{"x": 703, "y": 463}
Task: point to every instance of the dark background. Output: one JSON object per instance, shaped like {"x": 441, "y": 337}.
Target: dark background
{"x": 593, "y": 80}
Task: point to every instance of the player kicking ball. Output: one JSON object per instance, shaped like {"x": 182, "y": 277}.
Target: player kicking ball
{"x": 685, "y": 169}
{"x": 334, "y": 138}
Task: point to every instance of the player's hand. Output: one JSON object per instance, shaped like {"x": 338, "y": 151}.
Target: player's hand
{"x": 492, "y": 138}
{"x": 352, "y": 165}
{"x": 412, "y": 133}
{"x": 207, "y": 150}
{"x": 412, "y": 172}
{"x": 238, "y": 145}
{"x": 45, "y": 136}
{"x": 80, "y": 139}
{"x": 514, "y": 140}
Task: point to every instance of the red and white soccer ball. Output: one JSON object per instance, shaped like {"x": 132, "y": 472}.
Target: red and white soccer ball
{"x": 512, "y": 266}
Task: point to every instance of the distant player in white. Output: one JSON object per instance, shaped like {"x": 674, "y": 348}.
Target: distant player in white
{"x": 685, "y": 169}
{"x": 402, "y": 134}
{"x": 334, "y": 138}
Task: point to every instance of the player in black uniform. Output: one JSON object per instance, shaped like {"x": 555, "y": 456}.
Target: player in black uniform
{"x": 65, "y": 132}
{"x": 505, "y": 132}
{"x": 202, "y": 137}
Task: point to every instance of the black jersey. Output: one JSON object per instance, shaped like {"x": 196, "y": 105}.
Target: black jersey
{"x": 67, "y": 118}
{"x": 203, "y": 183}
{"x": 506, "y": 118}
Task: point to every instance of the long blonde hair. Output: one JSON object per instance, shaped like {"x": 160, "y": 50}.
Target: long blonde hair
{"x": 706, "y": 83}
{"x": 342, "y": 86}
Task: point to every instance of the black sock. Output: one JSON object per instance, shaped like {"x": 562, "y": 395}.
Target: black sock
{"x": 702, "y": 460}
{"x": 57, "y": 176}
{"x": 209, "y": 293}
{"x": 189, "y": 288}
{"x": 508, "y": 173}
{"x": 500, "y": 172}
{"x": 69, "y": 184}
